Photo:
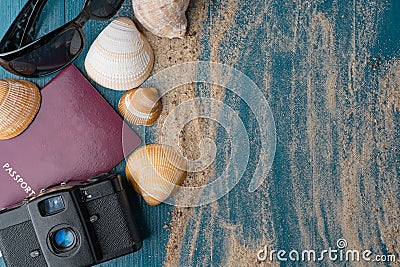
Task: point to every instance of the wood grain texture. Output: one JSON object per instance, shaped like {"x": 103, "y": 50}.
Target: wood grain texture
{"x": 331, "y": 73}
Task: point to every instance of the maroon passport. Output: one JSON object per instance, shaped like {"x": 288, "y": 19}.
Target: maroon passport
{"x": 75, "y": 136}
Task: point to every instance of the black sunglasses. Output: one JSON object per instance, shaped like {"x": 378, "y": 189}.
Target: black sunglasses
{"x": 22, "y": 55}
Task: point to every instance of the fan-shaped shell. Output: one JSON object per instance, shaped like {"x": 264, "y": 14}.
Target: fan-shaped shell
{"x": 155, "y": 172}
{"x": 140, "y": 106}
{"x": 120, "y": 58}
{"x": 19, "y": 104}
{"x": 164, "y": 18}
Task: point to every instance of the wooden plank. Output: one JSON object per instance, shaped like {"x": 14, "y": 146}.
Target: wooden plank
{"x": 312, "y": 59}
{"x": 330, "y": 72}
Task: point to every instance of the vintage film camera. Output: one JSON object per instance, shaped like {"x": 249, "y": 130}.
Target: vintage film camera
{"x": 79, "y": 224}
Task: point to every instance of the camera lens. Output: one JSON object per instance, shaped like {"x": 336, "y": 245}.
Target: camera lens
{"x": 64, "y": 239}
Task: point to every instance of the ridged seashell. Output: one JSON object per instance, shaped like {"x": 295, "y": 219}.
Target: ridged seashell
{"x": 164, "y": 18}
{"x": 120, "y": 58}
{"x": 19, "y": 104}
{"x": 155, "y": 171}
{"x": 141, "y": 106}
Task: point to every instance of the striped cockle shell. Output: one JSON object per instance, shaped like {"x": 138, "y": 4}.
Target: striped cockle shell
{"x": 155, "y": 172}
{"x": 164, "y": 18}
{"x": 120, "y": 58}
{"x": 140, "y": 106}
{"x": 19, "y": 104}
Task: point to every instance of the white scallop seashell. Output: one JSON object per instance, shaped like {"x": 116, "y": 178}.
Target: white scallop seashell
{"x": 155, "y": 172}
{"x": 140, "y": 106}
{"x": 120, "y": 58}
{"x": 164, "y": 18}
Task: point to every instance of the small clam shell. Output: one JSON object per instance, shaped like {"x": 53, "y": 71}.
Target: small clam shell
{"x": 164, "y": 18}
{"x": 140, "y": 106}
{"x": 120, "y": 58}
{"x": 19, "y": 104}
{"x": 155, "y": 172}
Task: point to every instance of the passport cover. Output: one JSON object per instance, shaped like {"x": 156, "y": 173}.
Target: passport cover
{"x": 75, "y": 135}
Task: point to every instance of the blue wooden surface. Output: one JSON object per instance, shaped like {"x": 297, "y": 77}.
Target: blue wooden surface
{"x": 323, "y": 66}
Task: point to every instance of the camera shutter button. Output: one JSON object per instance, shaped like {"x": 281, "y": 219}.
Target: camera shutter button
{"x": 94, "y": 218}
{"x": 35, "y": 253}
{"x": 86, "y": 196}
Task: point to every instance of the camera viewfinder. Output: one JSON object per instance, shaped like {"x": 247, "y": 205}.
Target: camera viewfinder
{"x": 51, "y": 206}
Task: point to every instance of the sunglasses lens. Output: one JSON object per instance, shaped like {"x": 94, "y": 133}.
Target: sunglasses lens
{"x": 52, "y": 56}
{"x": 104, "y": 8}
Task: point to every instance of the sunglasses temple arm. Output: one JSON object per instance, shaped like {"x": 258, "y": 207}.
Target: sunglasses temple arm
{"x": 23, "y": 29}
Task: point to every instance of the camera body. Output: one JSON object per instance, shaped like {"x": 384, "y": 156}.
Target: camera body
{"x": 79, "y": 224}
